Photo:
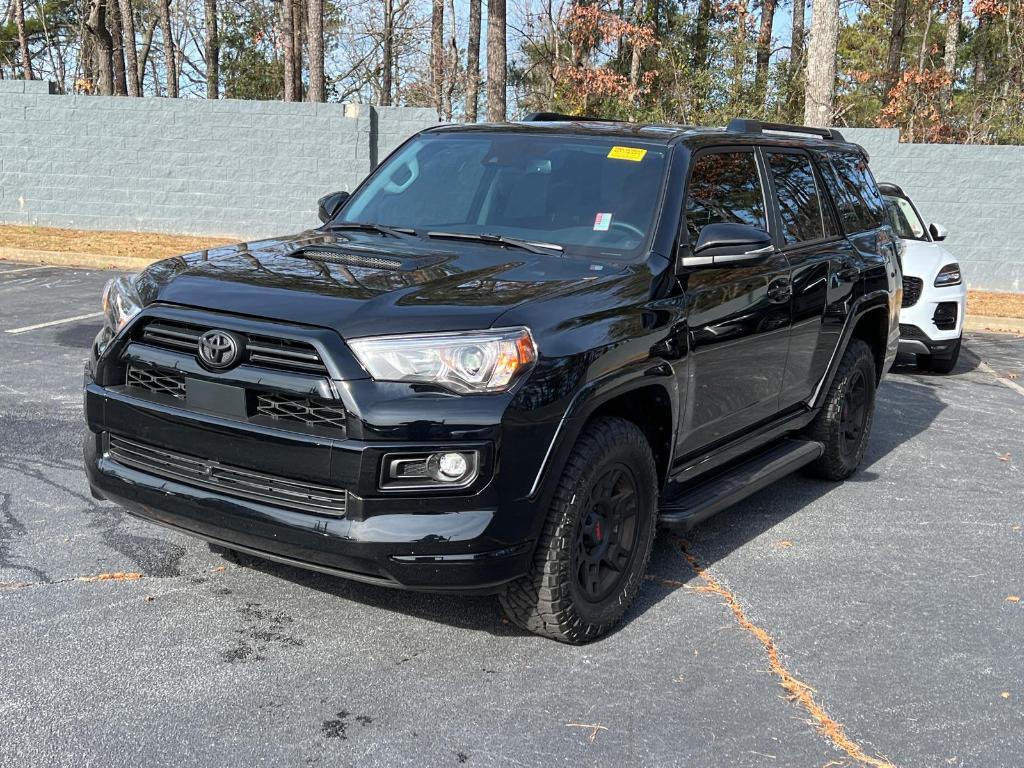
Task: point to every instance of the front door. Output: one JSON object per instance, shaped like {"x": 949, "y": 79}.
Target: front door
{"x": 738, "y": 317}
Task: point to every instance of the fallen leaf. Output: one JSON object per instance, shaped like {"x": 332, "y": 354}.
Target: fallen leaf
{"x": 115, "y": 576}
{"x": 1005, "y": 694}
{"x": 1015, "y": 528}
{"x": 218, "y": 569}
{"x": 784, "y": 544}
{"x": 592, "y": 727}
{"x": 1011, "y": 375}
{"x": 1013, "y": 598}
{"x": 149, "y": 598}
{"x": 1003, "y": 457}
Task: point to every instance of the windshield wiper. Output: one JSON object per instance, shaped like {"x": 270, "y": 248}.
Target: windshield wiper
{"x": 533, "y": 246}
{"x": 370, "y": 227}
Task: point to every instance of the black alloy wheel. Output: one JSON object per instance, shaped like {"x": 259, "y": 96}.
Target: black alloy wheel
{"x": 607, "y": 534}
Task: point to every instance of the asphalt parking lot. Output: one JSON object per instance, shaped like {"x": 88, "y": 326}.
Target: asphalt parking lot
{"x": 890, "y": 597}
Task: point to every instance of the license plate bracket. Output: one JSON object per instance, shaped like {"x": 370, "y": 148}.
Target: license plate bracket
{"x": 222, "y": 399}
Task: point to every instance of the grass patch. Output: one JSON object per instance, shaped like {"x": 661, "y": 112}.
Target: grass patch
{"x": 148, "y": 245}
{"x": 995, "y": 304}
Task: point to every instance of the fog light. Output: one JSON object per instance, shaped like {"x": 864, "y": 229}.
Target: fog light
{"x": 447, "y": 467}
{"x": 443, "y": 469}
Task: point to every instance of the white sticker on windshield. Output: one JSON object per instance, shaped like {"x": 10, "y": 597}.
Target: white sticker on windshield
{"x": 602, "y": 221}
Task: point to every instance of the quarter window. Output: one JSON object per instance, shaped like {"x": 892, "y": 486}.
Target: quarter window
{"x": 853, "y": 188}
{"x": 724, "y": 188}
{"x": 800, "y": 207}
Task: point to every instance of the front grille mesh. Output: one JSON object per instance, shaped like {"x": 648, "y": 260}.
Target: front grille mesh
{"x": 912, "y": 332}
{"x": 156, "y": 380}
{"x": 265, "y": 351}
{"x": 912, "y": 287}
{"x": 227, "y": 479}
{"x": 315, "y": 413}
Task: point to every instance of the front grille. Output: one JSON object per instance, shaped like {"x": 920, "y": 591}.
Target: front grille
{"x": 227, "y": 479}
{"x": 945, "y": 315}
{"x": 912, "y": 287}
{"x": 265, "y": 351}
{"x": 157, "y": 380}
{"x": 315, "y": 413}
{"x": 912, "y": 332}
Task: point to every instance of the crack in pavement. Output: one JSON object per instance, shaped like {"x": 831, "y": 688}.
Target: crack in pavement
{"x": 797, "y": 691}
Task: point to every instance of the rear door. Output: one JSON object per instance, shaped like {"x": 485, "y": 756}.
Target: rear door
{"x": 807, "y": 232}
{"x": 738, "y": 317}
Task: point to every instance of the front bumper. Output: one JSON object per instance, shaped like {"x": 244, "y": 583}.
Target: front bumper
{"x": 919, "y": 333}
{"x": 463, "y": 543}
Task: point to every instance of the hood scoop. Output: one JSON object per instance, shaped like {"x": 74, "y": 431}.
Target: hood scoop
{"x": 370, "y": 260}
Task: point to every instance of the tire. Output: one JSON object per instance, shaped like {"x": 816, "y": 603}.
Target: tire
{"x": 844, "y": 421}
{"x": 944, "y": 364}
{"x": 572, "y": 593}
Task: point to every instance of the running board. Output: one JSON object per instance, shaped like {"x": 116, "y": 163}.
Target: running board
{"x": 704, "y": 499}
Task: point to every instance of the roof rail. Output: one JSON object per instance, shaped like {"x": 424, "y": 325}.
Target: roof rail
{"x": 556, "y": 117}
{"x": 740, "y": 125}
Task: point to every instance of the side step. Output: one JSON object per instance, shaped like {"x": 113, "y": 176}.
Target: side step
{"x": 703, "y": 499}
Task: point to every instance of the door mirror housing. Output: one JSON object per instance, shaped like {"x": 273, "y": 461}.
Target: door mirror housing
{"x": 729, "y": 245}
{"x": 937, "y": 231}
{"x": 330, "y": 205}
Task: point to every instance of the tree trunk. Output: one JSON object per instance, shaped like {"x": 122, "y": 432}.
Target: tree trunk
{"x": 473, "y": 62}
{"x": 635, "y": 54}
{"x": 388, "y": 65}
{"x": 287, "y": 42}
{"x": 496, "y": 61}
{"x": 102, "y": 46}
{"x": 701, "y": 35}
{"x": 170, "y": 58}
{"x": 897, "y": 36}
{"x": 437, "y": 54}
{"x": 147, "y": 45}
{"x": 796, "y": 44}
{"x": 819, "y": 90}
{"x": 298, "y": 17}
{"x": 451, "y": 66}
{"x": 117, "y": 38}
{"x": 315, "y": 33}
{"x": 132, "y": 78}
{"x": 764, "y": 48}
{"x": 26, "y": 56}
{"x": 953, "y": 16}
{"x": 212, "y": 50}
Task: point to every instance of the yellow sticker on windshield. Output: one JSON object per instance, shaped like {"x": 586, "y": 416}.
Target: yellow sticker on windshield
{"x": 627, "y": 153}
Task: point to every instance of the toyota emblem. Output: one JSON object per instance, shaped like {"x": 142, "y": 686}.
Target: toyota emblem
{"x": 219, "y": 349}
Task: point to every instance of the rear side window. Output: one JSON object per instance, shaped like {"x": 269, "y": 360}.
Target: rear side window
{"x": 724, "y": 188}
{"x": 800, "y": 210}
{"x": 853, "y": 188}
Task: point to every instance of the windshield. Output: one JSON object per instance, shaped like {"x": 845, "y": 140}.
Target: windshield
{"x": 591, "y": 196}
{"x": 904, "y": 218}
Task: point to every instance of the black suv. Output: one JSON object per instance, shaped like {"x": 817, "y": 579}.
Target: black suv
{"x": 507, "y": 357}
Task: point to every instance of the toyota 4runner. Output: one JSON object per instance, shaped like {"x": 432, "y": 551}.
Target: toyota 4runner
{"x": 507, "y": 357}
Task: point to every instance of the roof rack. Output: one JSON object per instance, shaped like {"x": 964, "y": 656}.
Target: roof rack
{"x": 740, "y": 125}
{"x": 556, "y": 117}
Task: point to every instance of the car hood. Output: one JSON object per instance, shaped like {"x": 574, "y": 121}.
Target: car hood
{"x": 924, "y": 260}
{"x": 366, "y": 284}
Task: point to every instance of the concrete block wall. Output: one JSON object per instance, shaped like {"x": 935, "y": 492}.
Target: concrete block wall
{"x": 235, "y": 168}
{"x": 976, "y": 191}
{"x": 256, "y": 168}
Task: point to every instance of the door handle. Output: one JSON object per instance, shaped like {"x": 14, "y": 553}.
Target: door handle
{"x": 780, "y": 290}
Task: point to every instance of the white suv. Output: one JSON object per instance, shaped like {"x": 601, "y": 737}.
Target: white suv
{"x": 934, "y": 294}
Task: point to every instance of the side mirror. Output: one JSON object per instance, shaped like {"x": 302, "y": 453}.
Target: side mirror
{"x": 937, "y": 231}
{"x": 729, "y": 245}
{"x": 328, "y": 206}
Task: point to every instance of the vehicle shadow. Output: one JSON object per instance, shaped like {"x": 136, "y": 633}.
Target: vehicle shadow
{"x": 907, "y": 404}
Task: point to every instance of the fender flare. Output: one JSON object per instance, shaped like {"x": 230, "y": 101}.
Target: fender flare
{"x": 592, "y": 396}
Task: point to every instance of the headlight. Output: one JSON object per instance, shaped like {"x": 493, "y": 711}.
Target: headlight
{"x": 948, "y": 275}
{"x": 476, "y": 361}
{"x": 121, "y": 302}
